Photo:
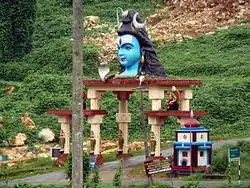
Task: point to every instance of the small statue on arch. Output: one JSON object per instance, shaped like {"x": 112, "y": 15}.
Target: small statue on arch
{"x": 120, "y": 142}
{"x": 173, "y": 99}
{"x": 92, "y": 143}
{"x": 62, "y": 139}
{"x": 152, "y": 144}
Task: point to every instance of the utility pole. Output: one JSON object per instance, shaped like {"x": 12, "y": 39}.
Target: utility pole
{"x": 77, "y": 99}
{"x": 190, "y": 142}
{"x": 150, "y": 179}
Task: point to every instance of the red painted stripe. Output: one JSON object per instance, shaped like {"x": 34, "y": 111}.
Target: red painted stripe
{"x": 85, "y": 112}
{"x": 134, "y": 82}
{"x": 176, "y": 113}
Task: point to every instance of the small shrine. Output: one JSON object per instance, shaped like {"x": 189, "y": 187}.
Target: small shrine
{"x": 192, "y": 148}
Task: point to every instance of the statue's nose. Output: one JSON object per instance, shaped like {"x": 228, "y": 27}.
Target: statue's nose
{"x": 120, "y": 53}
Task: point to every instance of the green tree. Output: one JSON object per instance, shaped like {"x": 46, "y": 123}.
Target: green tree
{"x": 86, "y": 167}
{"x": 96, "y": 180}
{"x": 117, "y": 182}
{"x": 16, "y": 28}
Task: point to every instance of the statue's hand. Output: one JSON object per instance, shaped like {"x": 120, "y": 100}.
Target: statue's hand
{"x": 103, "y": 71}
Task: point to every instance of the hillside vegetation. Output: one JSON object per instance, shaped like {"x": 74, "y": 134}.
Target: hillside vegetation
{"x": 42, "y": 79}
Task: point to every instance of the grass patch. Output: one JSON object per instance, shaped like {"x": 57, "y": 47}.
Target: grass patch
{"x": 108, "y": 14}
{"x": 111, "y": 156}
{"x": 193, "y": 177}
{"x": 245, "y": 20}
{"x": 28, "y": 168}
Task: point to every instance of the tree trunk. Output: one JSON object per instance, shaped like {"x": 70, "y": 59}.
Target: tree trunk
{"x": 77, "y": 99}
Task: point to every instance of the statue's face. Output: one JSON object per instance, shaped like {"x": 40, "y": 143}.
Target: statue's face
{"x": 128, "y": 50}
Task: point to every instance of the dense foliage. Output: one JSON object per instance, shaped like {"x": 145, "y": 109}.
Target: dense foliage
{"x": 16, "y": 28}
{"x": 86, "y": 167}
{"x": 42, "y": 78}
{"x": 220, "y": 160}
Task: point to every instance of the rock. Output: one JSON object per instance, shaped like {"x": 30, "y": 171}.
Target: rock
{"x": 92, "y": 20}
{"x": 179, "y": 37}
{"x": 19, "y": 140}
{"x": 222, "y": 28}
{"x": 43, "y": 155}
{"x": 210, "y": 33}
{"x": 241, "y": 2}
{"x": 1, "y": 126}
{"x": 8, "y": 151}
{"x": 136, "y": 146}
{"x": 6, "y": 143}
{"x": 30, "y": 155}
{"x": 9, "y": 89}
{"x": 187, "y": 37}
{"x": 44, "y": 149}
{"x": 27, "y": 121}
{"x": 109, "y": 151}
{"x": 22, "y": 150}
{"x": 46, "y": 135}
{"x": 107, "y": 145}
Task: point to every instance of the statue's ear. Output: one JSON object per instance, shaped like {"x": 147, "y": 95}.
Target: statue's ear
{"x": 142, "y": 58}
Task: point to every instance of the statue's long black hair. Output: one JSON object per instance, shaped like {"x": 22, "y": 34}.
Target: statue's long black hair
{"x": 151, "y": 65}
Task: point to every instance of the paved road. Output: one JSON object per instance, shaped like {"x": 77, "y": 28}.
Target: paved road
{"x": 108, "y": 169}
{"x": 136, "y": 160}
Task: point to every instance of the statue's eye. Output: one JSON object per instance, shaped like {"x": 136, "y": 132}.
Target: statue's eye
{"x": 128, "y": 47}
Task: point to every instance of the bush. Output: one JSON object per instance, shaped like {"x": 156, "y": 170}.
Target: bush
{"x": 18, "y": 19}
{"x": 191, "y": 185}
{"x": 220, "y": 160}
{"x": 54, "y": 58}
{"x": 117, "y": 180}
{"x": 95, "y": 180}
{"x": 86, "y": 167}
{"x": 244, "y": 146}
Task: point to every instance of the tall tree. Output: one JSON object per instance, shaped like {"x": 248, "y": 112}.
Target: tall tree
{"x": 16, "y": 28}
{"x": 77, "y": 99}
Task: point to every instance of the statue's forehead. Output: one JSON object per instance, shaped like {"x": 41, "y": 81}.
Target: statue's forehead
{"x": 124, "y": 39}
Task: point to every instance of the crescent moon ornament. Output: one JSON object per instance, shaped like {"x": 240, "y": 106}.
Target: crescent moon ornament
{"x": 125, "y": 13}
{"x": 137, "y": 24}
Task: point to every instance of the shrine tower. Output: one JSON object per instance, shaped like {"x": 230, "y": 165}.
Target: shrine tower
{"x": 192, "y": 148}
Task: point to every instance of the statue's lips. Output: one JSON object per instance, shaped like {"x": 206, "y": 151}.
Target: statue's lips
{"x": 123, "y": 58}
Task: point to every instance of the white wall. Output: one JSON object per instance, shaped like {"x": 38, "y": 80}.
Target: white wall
{"x": 180, "y": 137}
{"x": 199, "y": 137}
{"x": 181, "y": 158}
{"x": 202, "y": 161}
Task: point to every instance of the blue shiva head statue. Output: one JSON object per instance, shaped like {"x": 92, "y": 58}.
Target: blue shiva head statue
{"x": 129, "y": 54}
{"x": 135, "y": 50}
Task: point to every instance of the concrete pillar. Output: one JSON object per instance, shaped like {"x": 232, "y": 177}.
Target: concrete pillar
{"x": 96, "y": 130}
{"x": 93, "y": 97}
{"x": 95, "y": 120}
{"x": 156, "y": 95}
{"x": 186, "y": 96}
{"x": 65, "y": 126}
{"x": 123, "y": 118}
